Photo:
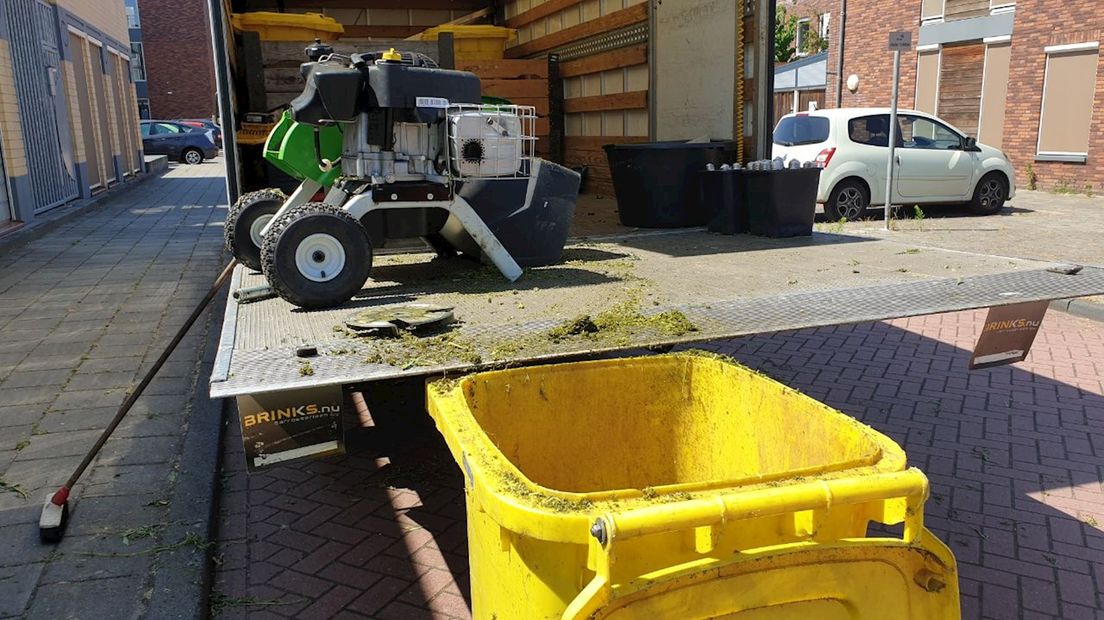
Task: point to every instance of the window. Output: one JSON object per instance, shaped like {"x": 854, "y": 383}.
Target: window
{"x": 794, "y": 130}
{"x": 824, "y": 26}
{"x": 869, "y": 130}
{"x": 147, "y": 129}
{"x": 802, "y": 40}
{"x": 1068, "y": 91}
{"x": 931, "y": 9}
{"x": 132, "y": 16}
{"x": 137, "y": 63}
{"x": 160, "y": 129}
{"x": 922, "y": 133}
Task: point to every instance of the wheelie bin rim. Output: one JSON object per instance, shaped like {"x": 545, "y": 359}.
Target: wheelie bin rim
{"x": 669, "y": 144}
{"x": 523, "y": 506}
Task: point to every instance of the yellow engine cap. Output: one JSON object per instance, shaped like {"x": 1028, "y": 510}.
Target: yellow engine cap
{"x": 391, "y": 54}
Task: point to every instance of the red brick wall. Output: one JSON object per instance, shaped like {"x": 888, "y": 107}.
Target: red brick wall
{"x": 866, "y": 52}
{"x": 179, "y": 67}
{"x": 1040, "y": 24}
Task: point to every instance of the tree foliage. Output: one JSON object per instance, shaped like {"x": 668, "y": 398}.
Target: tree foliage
{"x": 785, "y": 35}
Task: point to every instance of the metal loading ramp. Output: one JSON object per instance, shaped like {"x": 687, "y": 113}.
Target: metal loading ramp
{"x": 643, "y": 290}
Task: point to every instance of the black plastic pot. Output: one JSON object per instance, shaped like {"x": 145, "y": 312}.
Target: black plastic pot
{"x": 721, "y": 192}
{"x": 658, "y": 184}
{"x": 780, "y": 203}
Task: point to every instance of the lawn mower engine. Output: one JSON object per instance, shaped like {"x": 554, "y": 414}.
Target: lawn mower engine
{"x": 421, "y": 157}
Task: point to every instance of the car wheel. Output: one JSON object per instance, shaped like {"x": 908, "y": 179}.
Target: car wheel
{"x": 192, "y": 156}
{"x": 316, "y": 256}
{"x": 848, "y": 201}
{"x": 247, "y": 218}
{"x": 990, "y": 194}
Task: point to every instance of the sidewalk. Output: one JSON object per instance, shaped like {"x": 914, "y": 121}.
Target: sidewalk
{"x": 84, "y": 309}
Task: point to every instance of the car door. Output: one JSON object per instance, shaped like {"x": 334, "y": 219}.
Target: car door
{"x": 151, "y": 144}
{"x": 933, "y": 164}
{"x": 869, "y": 137}
{"x": 171, "y": 137}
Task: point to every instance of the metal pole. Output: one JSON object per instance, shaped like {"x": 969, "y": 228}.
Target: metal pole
{"x": 892, "y": 136}
{"x": 225, "y": 102}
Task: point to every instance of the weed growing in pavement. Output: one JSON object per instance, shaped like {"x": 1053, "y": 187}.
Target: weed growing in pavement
{"x": 23, "y": 443}
{"x": 918, "y": 215}
{"x": 306, "y": 370}
{"x": 1089, "y": 520}
{"x": 910, "y": 251}
{"x": 13, "y": 488}
{"x": 219, "y": 602}
{"x": 143, "y": 531}
{"x": 837, "y": 227}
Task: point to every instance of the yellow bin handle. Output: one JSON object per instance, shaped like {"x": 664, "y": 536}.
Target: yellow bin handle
{"x": 910, "y": 484}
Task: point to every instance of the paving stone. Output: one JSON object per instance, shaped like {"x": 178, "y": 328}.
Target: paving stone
{"x": 21, "y": 415}
{"x": 54, "y": 445}
{"x": 100, "y": 598}
{"x": 36, "y": 378}
{"x": 17, "y": 584}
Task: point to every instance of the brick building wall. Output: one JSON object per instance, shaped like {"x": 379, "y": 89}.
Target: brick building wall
{"x": 1042, "y": 23}
{"x": 180, "y": 70}
{"x": 866, "y": 53}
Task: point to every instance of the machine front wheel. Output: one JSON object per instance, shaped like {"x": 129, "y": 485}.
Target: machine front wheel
{"x": 245, "y": 221}
{"x": 316, "y": 256}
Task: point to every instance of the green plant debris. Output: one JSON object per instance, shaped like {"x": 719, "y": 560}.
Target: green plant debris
{"x": 305, "y": 369}
{"x": 13, "y": 488}
{"x": 144, "y": 531}
{"x": 189, "y": 540}
{"x": 577, "y": 326}
{"x": 410, "y": 350}
{"x": 515, "y": 486}
{"x": 219, "y": 602}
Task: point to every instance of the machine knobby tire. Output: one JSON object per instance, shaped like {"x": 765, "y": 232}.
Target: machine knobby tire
{"x": 240, "y": 219}
{"x": 278, "y": 255}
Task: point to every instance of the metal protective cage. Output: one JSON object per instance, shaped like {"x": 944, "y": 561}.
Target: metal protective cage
{"x": 508, "y": 133}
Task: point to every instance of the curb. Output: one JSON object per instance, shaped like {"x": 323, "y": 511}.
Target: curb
{"x": 49, "y": 221}
{"x": 1080, "y": 308}
{"x": 182, "y": 582}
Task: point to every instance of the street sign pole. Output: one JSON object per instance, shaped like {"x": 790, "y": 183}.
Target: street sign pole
{"x": 900, "y": 41}
{"x": 892, "y": 136}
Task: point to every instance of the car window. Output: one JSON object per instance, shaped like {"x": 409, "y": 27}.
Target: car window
{"x": 147, "y": 129}
{"x": 923, "y": 133}
{"x": 871, "y": 130}
{"x": 165, "y": 128}
{"x": 794, "y": 130}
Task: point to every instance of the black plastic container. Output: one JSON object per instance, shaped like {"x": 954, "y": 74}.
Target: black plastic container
{"x": 721, "y": 193}
{"x": 780, "y": 203}
{"x": 534, "y": 235}
{"x": 658, "y": 183}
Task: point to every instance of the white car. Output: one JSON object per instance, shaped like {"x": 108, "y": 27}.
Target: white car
{"x": 936, "y": 163}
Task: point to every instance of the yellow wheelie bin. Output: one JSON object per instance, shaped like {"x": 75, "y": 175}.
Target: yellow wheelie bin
{"x": 683, "y": 486}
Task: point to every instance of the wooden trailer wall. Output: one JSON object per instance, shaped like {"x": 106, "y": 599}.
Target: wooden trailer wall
{"x": 603, "y": 62}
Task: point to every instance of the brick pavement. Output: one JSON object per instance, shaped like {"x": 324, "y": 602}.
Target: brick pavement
{"x": 83, "y": 310}
{"x": 1014, "y": 455}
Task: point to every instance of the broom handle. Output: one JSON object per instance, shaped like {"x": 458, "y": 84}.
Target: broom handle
{"x": 63, "y": 492}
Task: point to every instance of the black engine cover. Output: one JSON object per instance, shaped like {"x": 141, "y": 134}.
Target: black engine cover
{"x": 337, "y": 92}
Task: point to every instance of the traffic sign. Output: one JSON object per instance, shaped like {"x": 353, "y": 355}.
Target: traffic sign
{"x": 900, "y": 41}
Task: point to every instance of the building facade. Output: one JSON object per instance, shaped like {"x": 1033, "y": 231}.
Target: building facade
{"x": 137, "y": 58}
{"x": 68, "y": 118}
{"x": 1021, "y": 75}
{"x": 178, "y": 63}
